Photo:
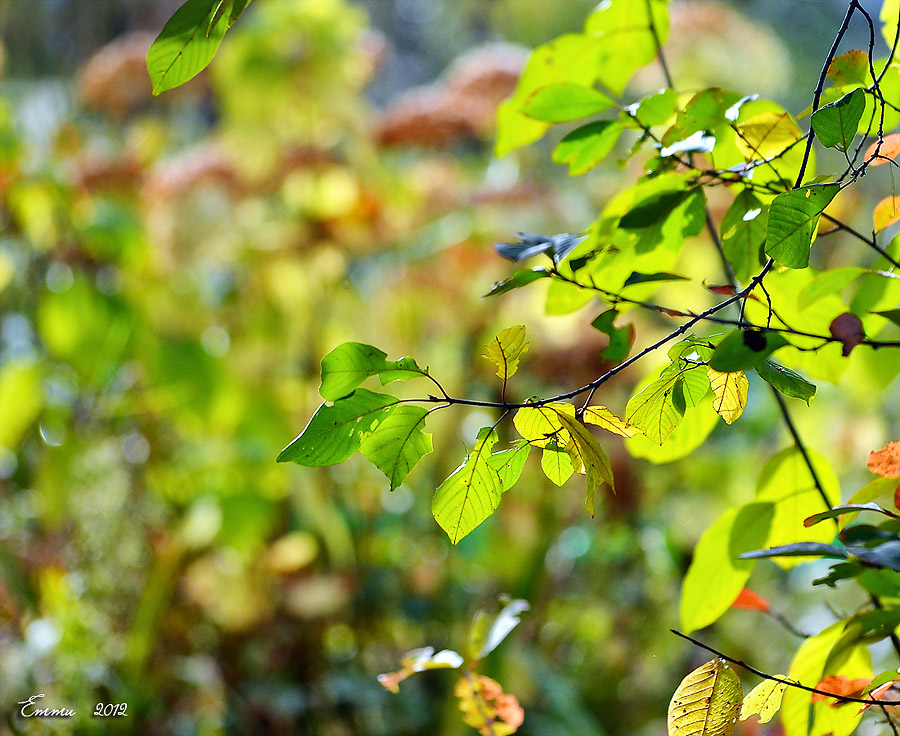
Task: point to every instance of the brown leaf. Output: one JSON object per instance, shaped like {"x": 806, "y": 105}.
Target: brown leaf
{"x": 848, "y": 329}
{"x": 840, "y": 685}
{"x": 897, "y": 498}
{"x": 890, "y": 148}
{"x": 486, "y": 707}
{"x": 886, "y": 461}
{"x": 886, "y": 212}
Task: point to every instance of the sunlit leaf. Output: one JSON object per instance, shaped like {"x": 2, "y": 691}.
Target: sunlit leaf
{"x": 518, "y": 280}
{"x": 886, "y": 461}
{"x": 707, "y": 702}
{"x": 510, "y": 463}
{"x": 786, "y": 381}
{"x": 398, "y": 442}
{"x": 420, "y": 660}
{"x": 186, "y": 44}
{"x": 654, "y": 109}
{"x": 766, "y": 135}
{"x": 506, "y": 621}
{"x": 705, "y": 111}
{"x": 540, "y": 425}
{"x": 557, "y": 103}
{"x": 691, "y": 432}
{"x": 835, "y": 124}
{"x": 654, "y": 410}
{"x": 350, "y": 363}
{"x": 730, "y": 390}
{"x": 738, "y": 530}
{"x": 831, "y": 281}
{"x": 764, "y": 700}
{"x": 556, "y": 464}
{"x": 585, "y": 147}
{"x": 886, "y": 213}
{"x": 335, "y": 431}
{"x": 620, "y": 338}
{"x": 471, "y": 493}
{"x": 21, "y": 396}
{"x": 807, "y": 666}
{"x": 849, "y": 68}
{"x": 603, "y": 417}
{"x": 743, "y": 231}
{"x": 505, "y": 350}
{"x": 793, "y": 217}
{"x": 653, "y": 210}
{"x": 745, "y": 349}
{"x": 588, "y": 457}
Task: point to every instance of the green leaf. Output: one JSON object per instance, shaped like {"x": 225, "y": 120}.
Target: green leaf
{"x": 620, "y": 338}
{"x": 509, "y": 463}
{"x": 742, "y": 350}
{"x": 585, "y": 147}
{"x": 350, "y": 363}
{"x": 692, "y": 385}
{"x": 644, "y": 278}
{"x": 798, "y": 549}
{"x": 505, "y": 350}
{"x": 518, "y": 280}
{"x": 690, "y": 433}
{"x": 654, "y": 210}
{"x": 186, "y": 44}
{"x": 556, "y": 464}
{"x": 835, "y": 124}
{"x": 807, "y": 666}
{"x": 398, "y": 442}
{"x": 471, "y": 493}
{"x": 559, "y": 103}
{"x": 785, "y": 381}
{"x": 334, "y": 432}
{"x": 21, "y": 396}
{"x": 792, "y": 221}
{"x": 890, "y": 314}
{"x": 705, "y": 111}
{"x": 655, "y": 109}
{"x": 829, "y": 282}
{"x": 785, "y": 480}
{"x": 588, "y": 457}
{"x": 764, "y": 700}
{"x": 743, "y": 231}
{"x": 716, "y": 559}
{"x": 654, "y": 410}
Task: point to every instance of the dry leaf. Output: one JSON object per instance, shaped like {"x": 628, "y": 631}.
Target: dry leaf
{"x": 886, "y": 461}
{"x": 840, "y": 685}
{"x": 890, "y": 148}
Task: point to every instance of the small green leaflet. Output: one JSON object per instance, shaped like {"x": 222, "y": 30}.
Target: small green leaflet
{"x": 637, "y": 277}
{"x": 743, "y": 231}
{"x": 187, "y": 43}
{"x": 745, "y": 349}
{"x": 559, "y": 103}
{"x": 471, "y": 493}
{"x": 518, "y": 280}
{"x": 505, "y": 350}
{"x": 351, "y": 363}
{"x": 620, "y": 338}
{"x": 397, "y": 443}
{"x": 835, "y": 125}
{"x": 792, "y": 221}
{"x": 509, "y": 463}
{"x": 654, "y": 411}
{"x": 334, "y": 432}
{"x": 765, "y": 699}
{"x": 786, "y": 381}
{"x": 585, "y": 147}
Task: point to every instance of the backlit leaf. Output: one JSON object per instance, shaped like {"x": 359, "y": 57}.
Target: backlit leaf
{"x": 748, "y": 600}
{"x": 186, "y": 44}
{"x": 691, "y": 432}
{"x": 505, "y": 350}
{"x": 792, "y": 221}
{"x": 886, "y": 213}
{"x": 831, "y": 281}
{"x": 556, "y": 464}
{"x": 786, "y": 381}
{"x": 620, "y": 338}
{"x": 655, "y": 109}
{"x": 398, "y": 442}
{"x": 730, "y": 390}
{"x": 745, "y": 349}
{"x": 585, "y": 147}
{"x": 510, "y": 463}
{"x": 807, "y": 666}
{"x": 557, "y": 103}
{"x": 743, "y": 231}
{"x": 766, "y": 135}
{"x": 889, "y": 149}
{"x": 420, "y": 660}
{"x": 705, "y": 111}
{"x": 471, "y": 493}
{"x": 764, "y": 700}
{"x": 588, "y": 457}
{"x": 540, "y": 425}
{"x": 654, "y": 411}
{"x": 518, "y": 280}
{"x": 886, "y": 461}
{"x": 835, "y": 124}
{"x": 350, "y": 363}
{"x": 506, "y": 621}
{"x": 335, "y": 431}
{"x": 707, "y": 702}
{"x": 850, "y": 68}
{"x": 738, "y": 530}
{"x": 603, "y": 417}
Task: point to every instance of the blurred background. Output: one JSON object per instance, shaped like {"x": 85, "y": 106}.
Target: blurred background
{"x": 173, "y": 269}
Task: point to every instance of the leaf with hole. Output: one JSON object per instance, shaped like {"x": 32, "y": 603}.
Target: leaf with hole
{"x": 765, "y": 699}
{"x": 707, "y": 702}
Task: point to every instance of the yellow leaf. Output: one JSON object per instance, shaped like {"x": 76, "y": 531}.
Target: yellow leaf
{"x": 540, "y": 425}
{"x": 764, "y": 700}
{"x": 603, "y": 417}
{"x": 886, "y": 212}
{"x": 505, "y": 350}
{"x": 707, "y": 702}
{"x": 767, "y": 135}
{"x": 730, "y": 390}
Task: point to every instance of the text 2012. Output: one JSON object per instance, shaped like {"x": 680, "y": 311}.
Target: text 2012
{"x": 106, "y": 710}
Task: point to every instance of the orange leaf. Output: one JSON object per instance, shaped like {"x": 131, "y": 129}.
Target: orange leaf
{"x": 877, "y": 693}
{"x": 897, "y": 498}
{"x": 886, "y": 212}
{"x": 840, "y": 685}
{"x": 486, "y": 707}
{"x": 886, "y": 461}
{"x": 890, "y": 148}
{"x": 747, "y": 600}
{"x": 848, "y": 329}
